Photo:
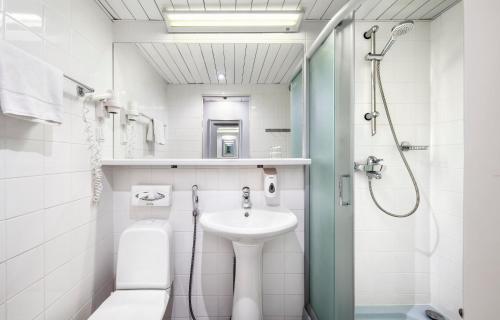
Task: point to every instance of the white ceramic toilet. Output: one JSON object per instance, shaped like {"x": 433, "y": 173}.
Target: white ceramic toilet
{"x": 144, "y": 274}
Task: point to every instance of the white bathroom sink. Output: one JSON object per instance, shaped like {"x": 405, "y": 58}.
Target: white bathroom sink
{"x": 248, "y": 229}
{"x": 249, "y": 225}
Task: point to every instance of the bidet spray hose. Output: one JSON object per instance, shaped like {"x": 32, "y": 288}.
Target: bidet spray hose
{"x": 194, "y": 194}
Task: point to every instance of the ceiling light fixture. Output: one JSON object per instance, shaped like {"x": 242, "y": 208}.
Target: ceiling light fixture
{"x": 233, "y": 21}
{"x": 221, "y": 77}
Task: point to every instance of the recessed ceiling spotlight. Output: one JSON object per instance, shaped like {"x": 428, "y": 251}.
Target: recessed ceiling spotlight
{"x": 233, "y": 21}
{"x": 221, "y": 77}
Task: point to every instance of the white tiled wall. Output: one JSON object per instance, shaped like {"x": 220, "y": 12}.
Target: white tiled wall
{"x": 136, "y": 80}
{"x": 55, "y": 249}
{"x": 447, "y": 155}
{"x": 220, "y": 188}
{"x": 416, "y": 260}
{"x": 392, "y": 255}
{"x": 269, "y": 108}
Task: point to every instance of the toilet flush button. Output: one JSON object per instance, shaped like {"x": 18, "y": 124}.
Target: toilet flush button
{"x": 151, "y": 195}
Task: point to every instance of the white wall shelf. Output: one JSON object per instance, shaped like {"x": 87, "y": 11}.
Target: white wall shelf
{"x": 207, "y": 162}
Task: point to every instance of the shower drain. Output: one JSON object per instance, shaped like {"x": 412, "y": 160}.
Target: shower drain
{"x": 434, "y": 315}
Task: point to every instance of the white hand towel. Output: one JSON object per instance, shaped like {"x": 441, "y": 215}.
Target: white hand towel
{"x": 30, "y": 88}
{"x": 159, "y": 131}
{"x": 150, "y": 136}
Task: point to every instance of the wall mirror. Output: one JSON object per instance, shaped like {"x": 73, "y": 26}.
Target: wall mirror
{"x": 208, "y": 100}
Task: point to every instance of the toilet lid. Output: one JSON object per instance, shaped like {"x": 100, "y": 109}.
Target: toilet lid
{"x": 133, "y": 305}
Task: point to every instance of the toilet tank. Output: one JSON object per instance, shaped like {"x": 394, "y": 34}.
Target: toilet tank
{"x": 145, "y": 256}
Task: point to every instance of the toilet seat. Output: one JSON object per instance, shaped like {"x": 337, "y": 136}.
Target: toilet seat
{"x": 133, "y": 305}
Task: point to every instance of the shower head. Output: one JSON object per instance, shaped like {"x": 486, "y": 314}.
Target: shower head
{"x": 397, "y": 31}
{"x": 402, "y": 28}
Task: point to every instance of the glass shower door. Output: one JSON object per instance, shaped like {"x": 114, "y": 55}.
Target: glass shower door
{"x": 330, "y": 219}
{"x": 297, "y": 119}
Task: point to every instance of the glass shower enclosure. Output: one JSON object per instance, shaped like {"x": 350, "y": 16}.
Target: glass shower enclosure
{"x": 330, "y": 240}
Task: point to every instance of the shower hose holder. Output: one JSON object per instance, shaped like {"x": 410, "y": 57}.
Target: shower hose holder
{"x": 406, "y": 146}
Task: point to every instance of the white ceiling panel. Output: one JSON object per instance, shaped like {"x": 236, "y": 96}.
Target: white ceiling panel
{"x": 270, "y": 59}
{"x": 229, "y": 49}
{"x": 249, "y": 62}
{"x": 158, "y": 62}
{"x": 241, "y": 63}
{"x": 290, "y": 73}
{"x": 290, "y": 4}
{"x": 220, "y": 67}
{"x": 314, "y": 9}
{"x": 196, "y": 5}
{"x": 260, "y": 57}
{"x": 439, "y": 9}
{"x": 208, "y": 57}
{"x": 167, "y": 60}
{"x": 152, "y": 61}
{"x": 318, "y": 9}
{"x": 180, "y": 62}
{"x": 403, "y": 9}
{"x": 119, "y": 9}
{"x": 275, "y": 5}
{"x": 366, "y": 8}
{"x": 152, "y": 9}
{"x": 227, "y": 4}
{"x": 379, "y": 9}
{"x": 136, "y": 10}
{"x": 410, "y": 9}
{"x": 280, "y": 59}
{"x": 164, "y": 4}
{"x": 333, "y": 7}
{"x": 393, "y": 9}
{"x": 187, "y": 55}
{"x": 259, "y": 4}
{"x": 293, "y": 55}
{"x": 180, "y": 4}
{"x": 244, "y": 5}
{"x": 197, "y": 55}
{"x": 212, "y": 4}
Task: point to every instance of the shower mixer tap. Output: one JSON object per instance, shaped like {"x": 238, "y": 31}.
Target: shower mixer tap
{"x": 373, "y": 167}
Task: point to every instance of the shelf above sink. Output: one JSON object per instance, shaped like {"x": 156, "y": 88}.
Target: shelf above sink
{"x": 207, "y": 162}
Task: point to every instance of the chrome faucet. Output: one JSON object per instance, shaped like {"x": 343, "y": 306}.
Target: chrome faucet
{"x": 372, "y": 168}
{"x": 247, "y": 204}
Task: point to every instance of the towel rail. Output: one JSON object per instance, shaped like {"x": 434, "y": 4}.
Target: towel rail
{"x": 81, "y": 89}
{"x": 145, "y": 116}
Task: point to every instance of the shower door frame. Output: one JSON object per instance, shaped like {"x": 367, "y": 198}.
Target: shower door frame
{"x": 345, "y": 17}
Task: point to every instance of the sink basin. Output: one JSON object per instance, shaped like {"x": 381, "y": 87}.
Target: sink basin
{"x": 248, "y": 229}
{"x": 249, "y": 225}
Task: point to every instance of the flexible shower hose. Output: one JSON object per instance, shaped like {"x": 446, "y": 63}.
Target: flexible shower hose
{"x": 398, "y": 146}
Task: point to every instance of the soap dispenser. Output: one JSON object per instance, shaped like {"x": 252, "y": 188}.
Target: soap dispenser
{"x": 271, "y": 191}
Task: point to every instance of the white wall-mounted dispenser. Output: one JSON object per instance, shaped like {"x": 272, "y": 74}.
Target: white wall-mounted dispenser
{"x": 151, "y": 195}
{"x": 271, "y": 190}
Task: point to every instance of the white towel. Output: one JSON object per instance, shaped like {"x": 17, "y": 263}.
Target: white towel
{"x": 150, "y": 136}
{"x": 159, "y": 131}
{"x": 30, "y": 88}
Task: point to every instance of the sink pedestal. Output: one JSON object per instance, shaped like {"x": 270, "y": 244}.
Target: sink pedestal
{"x": 247, "y": 301}
{"x": 248, "y": 229}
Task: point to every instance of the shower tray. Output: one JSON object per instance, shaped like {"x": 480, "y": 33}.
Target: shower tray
{"x": 415, "y": 312}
